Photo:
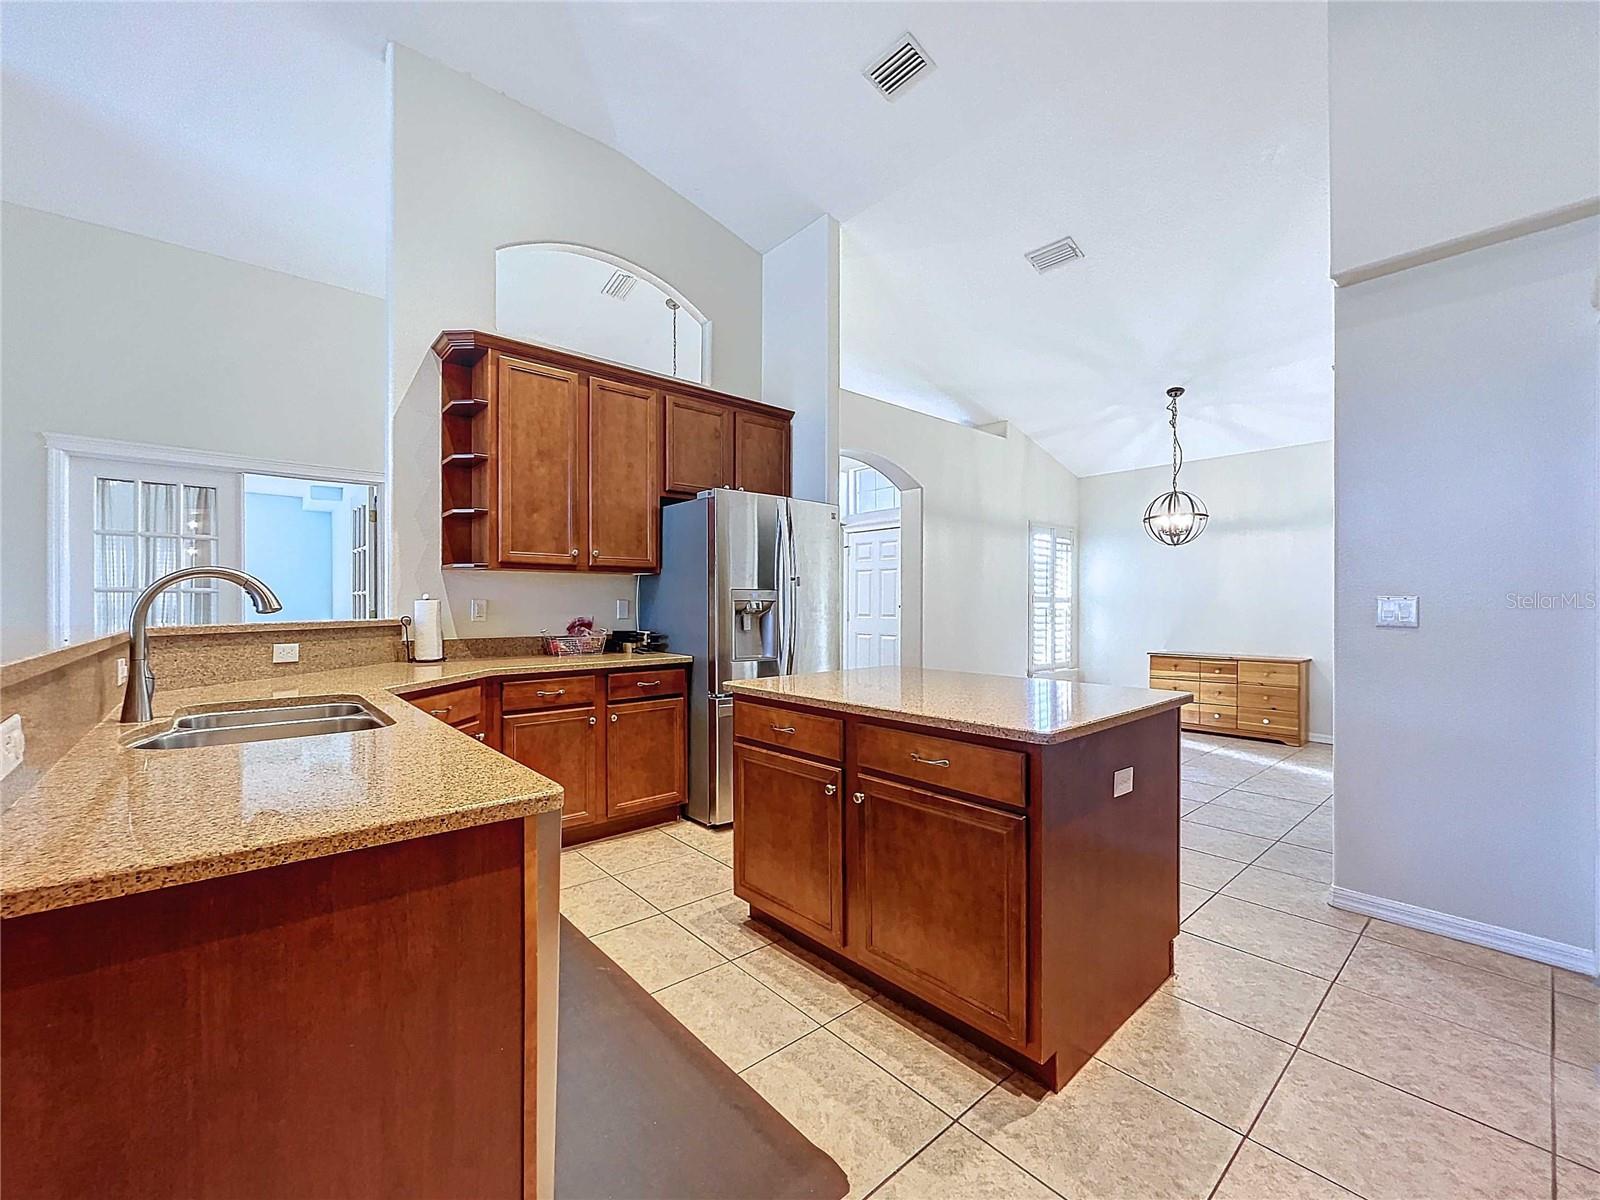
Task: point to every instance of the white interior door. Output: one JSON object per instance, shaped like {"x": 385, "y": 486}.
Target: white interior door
{"x": 872, "y": 596}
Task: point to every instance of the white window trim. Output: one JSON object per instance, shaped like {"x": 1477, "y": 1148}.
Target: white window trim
{"x": 1051, "y": 670}
{"x": 62, "y": 448}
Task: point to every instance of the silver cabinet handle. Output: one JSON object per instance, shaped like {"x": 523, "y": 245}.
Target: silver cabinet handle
{"x": 439, "y": 712}
{"x": 594, "y": 554}
{"x": 613, "y": 718}
{"x": 557, "y": 692}
{"x": 480, "y": 736}
{"x": 858, "y": 797}
{"x": 830, "y": 789}
{"x": 574, "y": 552}
{"x": 930, "y": 762}
{"x": 783, "y": 729}
{"x": 648, "y": 683}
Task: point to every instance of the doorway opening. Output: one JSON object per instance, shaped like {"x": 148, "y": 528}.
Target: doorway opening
{"x": 880, "y": 509}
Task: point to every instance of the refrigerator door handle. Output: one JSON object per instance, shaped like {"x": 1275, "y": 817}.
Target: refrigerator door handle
{"x": 791, "y": 587}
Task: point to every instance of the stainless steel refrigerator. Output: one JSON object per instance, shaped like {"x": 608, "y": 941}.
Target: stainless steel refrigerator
{"x": 749, "y": 585}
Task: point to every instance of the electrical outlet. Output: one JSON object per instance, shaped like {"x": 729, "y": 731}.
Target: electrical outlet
{"x": 479, "y": 610}
{"x": 624, "y": 609}
{"x": 122, "y": 671}
{"x": 12, "y": 745}
{"x": 285, "y": 652}
{"x": 1122, "y": 782}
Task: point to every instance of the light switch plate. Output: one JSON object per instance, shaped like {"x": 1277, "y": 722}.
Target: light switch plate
{"x": 285, "y": 652}
{"x": 12, "y": 745}
{"x": 623, "y": 609}
{"x": 478, "y": 610}
{"x": 1397, "y": 612}
{"x": 1122, "y": 782}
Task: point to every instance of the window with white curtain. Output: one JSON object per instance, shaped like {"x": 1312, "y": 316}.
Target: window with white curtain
{"x": 1052, "y": 565}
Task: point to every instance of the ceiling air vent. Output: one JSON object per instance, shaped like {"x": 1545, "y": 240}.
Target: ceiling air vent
{"x": 619, "y": 285}
{"x": 903, "y": 64}
{"x": 1056, "y": 254}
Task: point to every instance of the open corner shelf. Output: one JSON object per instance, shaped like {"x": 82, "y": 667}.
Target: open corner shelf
{"x": 466, "y": 406}
{"x": 464, "y": 460}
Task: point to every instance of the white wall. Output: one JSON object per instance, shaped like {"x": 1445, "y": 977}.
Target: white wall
{"x": 979, "y": 491}
{"x": 1466, "y": 472}
{"x": 112, "y": 335}
{"x": 474, "y": 171}
{"x": 1448, "y": 119}
{"x": 800, "y": 350}
{"x": 1259, "y": 580}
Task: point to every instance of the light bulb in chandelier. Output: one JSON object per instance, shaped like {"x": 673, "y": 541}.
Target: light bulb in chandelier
{"x": 1175, "y": 517}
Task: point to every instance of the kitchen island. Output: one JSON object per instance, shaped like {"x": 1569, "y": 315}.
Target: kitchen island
{"x": 317, "y": 965}
{"x": 1000, "y": 852}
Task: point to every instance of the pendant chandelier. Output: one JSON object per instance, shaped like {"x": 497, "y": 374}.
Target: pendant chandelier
{"x": 1175, "y": 517}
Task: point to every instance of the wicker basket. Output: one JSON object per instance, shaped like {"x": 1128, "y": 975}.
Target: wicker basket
{"x": 578, "y": 643}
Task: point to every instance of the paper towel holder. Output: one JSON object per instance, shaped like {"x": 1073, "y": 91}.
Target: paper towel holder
{"x": 405, "y": 639}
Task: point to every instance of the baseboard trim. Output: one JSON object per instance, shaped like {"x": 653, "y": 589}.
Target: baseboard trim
{"x": 1494, "y": 937}
{"x": 1325, "y": 739}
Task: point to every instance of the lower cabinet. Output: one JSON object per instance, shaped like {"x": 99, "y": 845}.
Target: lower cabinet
{"x": 564, "y": 745}
{"x": 938, "y": 892}
{"x": 647, "y": 763}
{"x": 788, "y": 852}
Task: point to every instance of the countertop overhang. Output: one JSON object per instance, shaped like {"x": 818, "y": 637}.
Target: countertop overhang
{"x": 1010, "y": 707}
{"x": 106, "y": 820}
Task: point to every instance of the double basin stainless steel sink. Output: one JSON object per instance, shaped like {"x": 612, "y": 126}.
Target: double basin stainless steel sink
{"x": 228, "y": 727}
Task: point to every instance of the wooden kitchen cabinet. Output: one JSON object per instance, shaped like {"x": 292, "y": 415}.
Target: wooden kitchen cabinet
{"x": 565, "y": 745}
{"x": 624, "y": 501}
{"x": 553, "y": 461}
{"x": 647, "y": 764}
{"x": 760, "y": 454}
{"x": 699, "y": 445}
{"x": 788, "y": 849}
{"x": 939, "y": 898}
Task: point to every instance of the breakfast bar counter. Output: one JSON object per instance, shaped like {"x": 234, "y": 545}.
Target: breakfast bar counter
{"x": 999, "y": 852}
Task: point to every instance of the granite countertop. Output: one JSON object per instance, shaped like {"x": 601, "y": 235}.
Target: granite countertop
{"x": 106, "y": 820}
{"x": 1002, "y": 706}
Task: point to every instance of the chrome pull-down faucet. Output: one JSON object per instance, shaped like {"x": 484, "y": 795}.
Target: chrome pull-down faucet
{"x": 141, "y": 679}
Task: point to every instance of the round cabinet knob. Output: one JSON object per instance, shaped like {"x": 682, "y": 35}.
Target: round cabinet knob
{"x": 594, "y": 554}
{"x": 574, "y": 552}
{"x": 480, "y": 736}
{"x": 613, "y": 718}
{"x": 591, "y": 720}
{"x": 1266, "y": 721}
{"x": 829, "y": 789}
{"x": 858, "y": 797}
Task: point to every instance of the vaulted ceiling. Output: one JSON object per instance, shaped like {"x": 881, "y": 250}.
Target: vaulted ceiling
{"x": 1183, "y": 145}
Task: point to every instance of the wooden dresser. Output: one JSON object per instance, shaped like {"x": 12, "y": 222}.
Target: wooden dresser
{"x": 1259, "y": 697}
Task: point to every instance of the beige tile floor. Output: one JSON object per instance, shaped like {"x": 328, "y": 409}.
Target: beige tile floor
{"x": 1298, "y": 1052}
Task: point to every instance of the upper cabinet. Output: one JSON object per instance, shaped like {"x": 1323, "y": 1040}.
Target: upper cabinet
{"x": 553, "y": 461}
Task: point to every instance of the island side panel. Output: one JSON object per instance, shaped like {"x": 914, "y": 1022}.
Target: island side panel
{"x": 346, "y": 1025}
{"x": 1107, "y": 874}
{"x": 541, "y": 933}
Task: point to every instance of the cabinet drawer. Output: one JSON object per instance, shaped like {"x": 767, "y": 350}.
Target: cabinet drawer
{"x": 1161, "y": 683}
{"x": 1217, "y": 668}
{"x": 644, "y": 685}
{"x": 1221, "y": 695}
{"x": 1189, "y": 714}
{"x": 1253, "y": 719}
{"x": 1213, "y": 717}
{"x": 802, "y": 732}
{"x": 1270, "y": 699}
{"x": 1269, "y": 674}
{"x": 456, "y": 706}
{"x": 555, "y": 691}
{"x": 998, "y": 775}
{"x": 1166, "y": 664}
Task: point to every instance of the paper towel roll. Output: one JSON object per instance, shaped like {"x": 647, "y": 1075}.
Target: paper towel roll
{"x": 427, "y": 630}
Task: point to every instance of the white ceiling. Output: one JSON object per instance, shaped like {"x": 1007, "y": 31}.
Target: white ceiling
{"x": 1183, "y": 145}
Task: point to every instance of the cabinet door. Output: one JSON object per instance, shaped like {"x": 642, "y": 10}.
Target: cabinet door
{"x": 647, "y": 756}
{"x": 563, "y": 745}
{"x": 939, "y": 891}
{"x": 699, "y": 437}
{"x": 624, "y": 483}
{"x": 760, "y": 454}
{"x": 788, "y": 844}
{"x": 538, "y": 465}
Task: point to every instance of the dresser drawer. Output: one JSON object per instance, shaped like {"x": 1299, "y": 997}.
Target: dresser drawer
{"x": 1219, "y": 669}
{"x": 1261, "y": 720}
{"x": 998, "y": 775}
{"x": 1189, "y": 714}
{"x": 1215, "y": 717}
{"x": 643, "y": 685}
{"x": 1219, "y": 695}
{"x": 1166, "y": 664}
{"x": 456, "y": 706}
{"x": 554, "y": 691}
{"x": 1161, "y": 683}
{"x": 801, "y": 732}
{"x": 1269, "y": 674}
{"x": 1270, "y": 699}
